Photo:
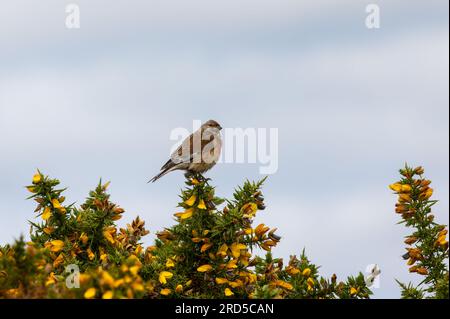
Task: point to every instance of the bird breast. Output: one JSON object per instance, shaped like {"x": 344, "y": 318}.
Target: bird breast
{"x": 210, "y": 155}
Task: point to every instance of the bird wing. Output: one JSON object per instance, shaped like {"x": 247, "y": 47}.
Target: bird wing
{"x": 187, "y": 151}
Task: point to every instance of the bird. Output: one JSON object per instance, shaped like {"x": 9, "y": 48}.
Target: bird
{"x": 198, "y": 153}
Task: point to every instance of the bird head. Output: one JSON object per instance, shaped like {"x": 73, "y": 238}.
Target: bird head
{"x": 212, "y": 124}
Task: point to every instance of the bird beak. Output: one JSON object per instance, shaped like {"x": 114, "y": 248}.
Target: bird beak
{"x": 220, "y": 127}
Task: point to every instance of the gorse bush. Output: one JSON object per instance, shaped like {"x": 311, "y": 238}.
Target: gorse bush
{"x": 80, "y": 252}
{"x": 427, "y": 251}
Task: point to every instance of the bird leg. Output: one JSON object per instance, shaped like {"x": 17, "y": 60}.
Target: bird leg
{"x": 197, "y": 176}
{"x": 201, "y": 178}
{"x": 189, "y": 174}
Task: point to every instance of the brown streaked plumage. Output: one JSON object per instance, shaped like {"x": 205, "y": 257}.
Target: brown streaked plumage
{"x": 198, "y": 153}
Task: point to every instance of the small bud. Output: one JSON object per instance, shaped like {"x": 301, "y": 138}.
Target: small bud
{"x": 119, "y": 210}
{"x": 410, "y": 240}
{"x": 422, "y": 271}
{"x": 273, "y": 236}
{"x": 406, "y": 172}
{"x": 179, "y": 289}
{"x": 425, "y": 183}
{"x": 413, "y": 269}
{"x": 400, "y": 208}
{"x": 258, "y": 193}
{"x": 253, "y": 262}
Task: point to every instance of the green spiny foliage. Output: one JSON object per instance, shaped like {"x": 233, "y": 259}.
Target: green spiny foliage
{"x": 208, "y": 253}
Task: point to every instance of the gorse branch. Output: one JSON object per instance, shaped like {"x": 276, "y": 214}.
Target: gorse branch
{"x": 427, "y": 246}
{"x": 209, "y": 252}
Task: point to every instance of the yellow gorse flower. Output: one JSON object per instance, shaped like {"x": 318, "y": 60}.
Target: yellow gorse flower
{"x": 51, "y": 279}
{"x": 427, "y": 194}
{"x": 137, "y": 286}
{"x": 260, "y": 230}
{"x": 37, "y": 178}
{"x": 170, "y": 263}
{"x": 107, "y": 234}
{"x": 221, "y": 281}
{"x": 310, "y": 282}
{"x": 442, "y": 238}
{"x": 179, "y": 288}
{"x": 236, "y": 284}
{"x": 84, "y": 238}
{"x": 306, "y": 272}
{"x": 222, "y": 252}
{"x": 186, "y": 214}
{"x": 292, "y": 270}
{"x": 164, "y": 275}
{"x": 31, "y": 189}
{"x": 107, "y": 279}
{"x": 191, "y": 200}
{"x": 236, "y": 249}
{"x": 48, "y": 230}
{"x": 353, "y": 291}
{"x": 400, "y": 188}
{"x": 165, "y": 292}
{"x": 404, "y": 197}
{"x": 204, "y": 268}
{"x": 47, "y": 213}
{"x": 91, "y": 255}
{"x": 228, "y": 292}
{"x": 58, "y": 261}
{"x": 134, "y": 270}
{"x": 205, "y": 247}
{"x": 232, "y": 264}
{"x": 406, "y": 188}
{"x": 201, "y": 204}
{"x": 55, "y": 245}
{"x": 57, "y": 205}
{"x": 108, "y": 295}
{"x": 104, "y": 257}
{"x": 249, "y": 210}
{"x": 283, "y": 284}
{"x": 90, "y": 293}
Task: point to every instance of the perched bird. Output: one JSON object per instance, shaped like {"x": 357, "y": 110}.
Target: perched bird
{"x": 198, "y": 153}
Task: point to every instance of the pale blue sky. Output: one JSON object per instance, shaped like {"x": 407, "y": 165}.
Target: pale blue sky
{"x": 351, "y": 104}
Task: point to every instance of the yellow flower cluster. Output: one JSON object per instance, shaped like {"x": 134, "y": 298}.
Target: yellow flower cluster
{"x": 124, "y": 283}
{"x": 411, "y": 190}
{"x": 207, "y": 253}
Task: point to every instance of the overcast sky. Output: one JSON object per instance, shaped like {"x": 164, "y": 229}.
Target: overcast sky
{"x": 351, "y": 104}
